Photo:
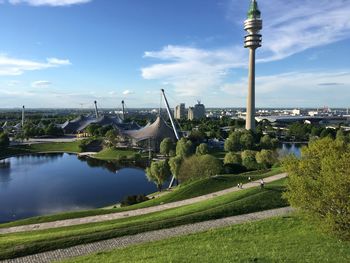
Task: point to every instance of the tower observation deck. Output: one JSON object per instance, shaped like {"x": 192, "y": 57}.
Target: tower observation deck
{"x": 253, "y": 25}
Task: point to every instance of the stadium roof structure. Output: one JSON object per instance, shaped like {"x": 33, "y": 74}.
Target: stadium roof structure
{"x": 82, "y": 122}
{"x": 157, "y": 131}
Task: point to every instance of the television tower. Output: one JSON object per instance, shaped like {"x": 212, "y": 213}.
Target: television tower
{"x": 253, "y": 25}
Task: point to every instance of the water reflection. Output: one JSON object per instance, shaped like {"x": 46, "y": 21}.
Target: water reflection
{"x": 34, "y": 185}
{"x": 290, "y": 148}
{"x": 5, "y": 167}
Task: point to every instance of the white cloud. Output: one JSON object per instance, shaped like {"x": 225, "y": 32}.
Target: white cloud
{"x": 49, "y": 2}
{"x": 290, "y": 27}
{"x": 12, "y": 66}
{"x": 128, "y": 92}
{"x": 41, "y": 84}
{"x": 191, "y": 70}
{"x": 58, "y": 62}
{"x": 308, "y": 88}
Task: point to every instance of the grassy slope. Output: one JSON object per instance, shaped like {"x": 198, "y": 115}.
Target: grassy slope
{"x": 112, "y": 154}
{"x": 250, "y": 200}
{"x": 283, "y": 239}
{"x": 193, "y": 189}
{"x": 42, "y": 147}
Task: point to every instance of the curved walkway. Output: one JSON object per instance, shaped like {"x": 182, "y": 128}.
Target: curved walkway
{"x": 142, "y": 211}
{"x": 121, "y": 242}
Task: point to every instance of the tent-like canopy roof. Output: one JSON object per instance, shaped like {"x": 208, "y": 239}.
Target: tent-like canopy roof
{"x": 80, "y": 123}
{"x": 158, "y": 130}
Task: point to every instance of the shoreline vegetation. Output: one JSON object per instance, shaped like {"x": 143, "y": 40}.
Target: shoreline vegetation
{"x": 109, "y": 154}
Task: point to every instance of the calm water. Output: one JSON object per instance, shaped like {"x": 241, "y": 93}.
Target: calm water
{"x": 35, "y": 185}
{"x": 290, "y": 148}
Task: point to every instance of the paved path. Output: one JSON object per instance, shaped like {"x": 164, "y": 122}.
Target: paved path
{"x": 125, "y": 241}
{"x": 142, "y": 211}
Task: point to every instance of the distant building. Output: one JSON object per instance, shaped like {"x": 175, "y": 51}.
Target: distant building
{"x": 197, "y": 112}
{"x": 298, "y": 112}
{"x": 190, "y": 113}
{"x": 180, "y": 111}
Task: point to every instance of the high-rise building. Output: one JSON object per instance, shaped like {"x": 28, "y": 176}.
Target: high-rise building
{"x": 190, "y": 113}
{"x": 253, "y": 25}
{"x": 180, "y": 111}
{"x": 197, "y": 112}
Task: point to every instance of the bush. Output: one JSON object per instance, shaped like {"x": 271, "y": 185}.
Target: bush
{"x": 202, "y": 149}
{"x": 249, "y": 160}
{"x": 4, "y": 141}
{"x": 199, "y": 166}
{"x": 266, "y": 158}
{"x": 166, "y": 146}
{"x": 133, "y": 199}
{"x": 158, "y": 173}
{"x": 83, "y": 145}
{"x": 319, "y": 184}
{"x": 232, "y": 158}
{"x": 232, "y": 168}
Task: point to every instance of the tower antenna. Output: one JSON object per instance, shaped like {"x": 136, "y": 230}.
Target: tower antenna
{"x": 253, "y": 25}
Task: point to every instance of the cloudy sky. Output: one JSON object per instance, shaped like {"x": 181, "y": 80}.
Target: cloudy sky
{"x": 67, "y": 53}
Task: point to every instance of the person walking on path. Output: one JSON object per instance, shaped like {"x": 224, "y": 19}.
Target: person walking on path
{"x": 262, "y": 183}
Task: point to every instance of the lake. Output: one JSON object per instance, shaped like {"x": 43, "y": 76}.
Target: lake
{"x": 42, "y": 184}
{"x": 290, "y": 148}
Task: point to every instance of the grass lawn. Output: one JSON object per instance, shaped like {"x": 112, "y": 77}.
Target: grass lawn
{"x": 115, "y": 154}
{"x": 72, "y": 147}
{"x": 54, "y": 147}
{"x": 218, "y": 154}
{"x": 246, "y": 201}
{"x": 182, "y": 192}
{"x": 282, "y": 239}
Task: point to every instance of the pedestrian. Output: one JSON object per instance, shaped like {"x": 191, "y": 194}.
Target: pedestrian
{"x": 262, "y": 183}
{"x": 249, "y": 179}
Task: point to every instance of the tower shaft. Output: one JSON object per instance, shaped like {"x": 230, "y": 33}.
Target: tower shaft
{"x": 253, "y": 25}
{"x": 250, "y": 117}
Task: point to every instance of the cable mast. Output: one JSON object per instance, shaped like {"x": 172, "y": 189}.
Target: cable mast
{"x": 123, "y": 108}
{"x": 174, "y": 128}
{"x": 170, "y": 116}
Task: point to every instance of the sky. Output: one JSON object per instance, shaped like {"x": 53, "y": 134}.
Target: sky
{"x": 68, "y": 53}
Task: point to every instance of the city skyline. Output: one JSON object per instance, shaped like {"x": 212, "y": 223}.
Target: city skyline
{"x": 68, "y": 53}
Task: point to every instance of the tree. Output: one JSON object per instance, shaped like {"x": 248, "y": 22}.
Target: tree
{"x": 232, "y": 158}
{"x": 158, "y": 173}
{"x": 4, "y": 140}
{"x": 199, "y": 166}
{"x": 112, "y": 137}
{"x": 327, "y": 133}
{"x": 248, "y": 159}
{"x": 275, "y": 143}
{"x": 319, "y": 184}
{"x": 166, "y": 146}
{"x": 93, "y": 129}
{"x": 183, "y": 148}
{"x": 266, "y": 142}
{"x": 247, "y": 141}
{"x": 299, "y": 132}
{"x": 341, "y": 136}
{"x": 266, "y": 158}
{"x": 175, "y": 164}
{"x": 53, "y": 130}
{"x": 202, "y": 149}
{"x": 232, "y": 143}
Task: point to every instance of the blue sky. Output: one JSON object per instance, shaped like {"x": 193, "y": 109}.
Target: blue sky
{"x": 67, "y": 53}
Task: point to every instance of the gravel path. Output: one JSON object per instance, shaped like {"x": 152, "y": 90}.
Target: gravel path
{"x": 142, "y": 211}
{"x": 125, "y": 241}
